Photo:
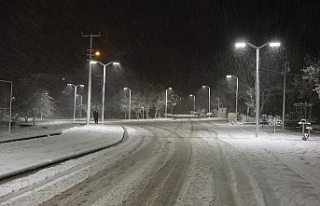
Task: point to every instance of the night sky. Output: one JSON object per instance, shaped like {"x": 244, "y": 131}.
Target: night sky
{"x": 182, "y": 44}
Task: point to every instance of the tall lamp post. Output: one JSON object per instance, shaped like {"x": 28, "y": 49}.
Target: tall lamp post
{"x": 75, "y": 99}
{"x": 194, "y": 101}
{"x": 209, "y": 93}
{"x": 10, "y": 103}
{"x": 237, "y": 92}
{"x": 218, "y": 99}
{"x": 257, "y": 86}
{"x": 103, "y": 85}
{"x": 129, "y": 110}
{"x": 166, "y": 108}
{"x": 80, "y": 112}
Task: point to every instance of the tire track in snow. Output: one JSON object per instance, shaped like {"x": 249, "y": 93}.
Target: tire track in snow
{"x": 97, "y": 186}
{"x": 164, "y": 187}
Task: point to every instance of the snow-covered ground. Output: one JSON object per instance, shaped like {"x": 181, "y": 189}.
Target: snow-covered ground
{"x": 173, "y": 163}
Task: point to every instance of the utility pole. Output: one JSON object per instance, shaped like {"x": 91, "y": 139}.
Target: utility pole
{"x": 286, "y": 66}
{"x": 90, "y": 54}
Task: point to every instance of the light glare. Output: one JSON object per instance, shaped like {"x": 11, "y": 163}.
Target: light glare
{"x": 240, "y": 45}
{"x": 274, "y": 44}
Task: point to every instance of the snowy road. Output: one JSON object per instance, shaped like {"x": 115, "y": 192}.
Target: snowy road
{"x": 183, "y": 163}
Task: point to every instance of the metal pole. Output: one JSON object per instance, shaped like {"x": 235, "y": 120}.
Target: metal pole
{"x": 89, "y": 86}
{"x": 90, "y": 76}
{"x": 80, "y": 113}
{"x": 166, "y": 107}
{"x": 74, "y": 103}
{"x": 10, "y": 107}
{"x": 103, "y": 92}
{"x": 284, "y": 94}
{"x": 257, "y": 91}
{"x": 129, "y": 112}
{"x": 237, "y": 93}
{"x": 218, "y": 106}
{"x": 194, "y": 103}
{"x": 209, "y": 103}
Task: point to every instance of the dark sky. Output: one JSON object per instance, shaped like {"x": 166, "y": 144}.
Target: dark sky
{"x": 179, "y": 43}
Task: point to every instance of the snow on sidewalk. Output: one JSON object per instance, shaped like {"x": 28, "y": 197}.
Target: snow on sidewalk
{"x": 19, "y": 155}
{"x": 290, "y": 165}
{"x": 29, "y": 132}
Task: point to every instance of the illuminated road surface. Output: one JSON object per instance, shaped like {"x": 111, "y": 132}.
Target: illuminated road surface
{"x": 185, "y": 163}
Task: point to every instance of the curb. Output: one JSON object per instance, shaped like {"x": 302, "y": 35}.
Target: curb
{"x": 30, "y": 137}
{"x": 61, "y": 159}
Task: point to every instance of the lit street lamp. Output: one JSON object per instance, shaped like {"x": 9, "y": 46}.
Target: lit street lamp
{"x": 103, "y": 87}
{"x": 129, "y": 112}
{"x": 237, "y": 92}
{"x": 75, "y": 99}
{"x": 194, "y": 101}
{"x": 257, "y": 87}
{"x": 208, "y": 98}
{"x": 165, "y": 111}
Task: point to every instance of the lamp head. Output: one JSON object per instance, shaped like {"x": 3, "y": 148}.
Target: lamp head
{"x": 229, "y": 76}
{"x": 240, "y": 45}
{"x": 81, "y": 85}
{"x": 69, "y": 85}
{"x": 115, "y": 63}
{"x": 93, "y": 62}
{"x": 274, "y": 44}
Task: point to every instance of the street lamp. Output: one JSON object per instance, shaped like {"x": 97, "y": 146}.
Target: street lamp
{"x": 129, "y": 114}
{"x": 237, "y": 92}
{"x": 218, "y": 99}
{"x": 75, "y": 99}
{"x": 208, "y": 99}
{"x": 103, "y": 87}
{"x": 10, "y": 103}
{"x": 194, "y": 101}
{"x": 242, "y": 45}
{"x": 165, "y": 111}
{"x": 80, "y": 112}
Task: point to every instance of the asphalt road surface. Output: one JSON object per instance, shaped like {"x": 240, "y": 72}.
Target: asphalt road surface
{"x": 177, "y": 163}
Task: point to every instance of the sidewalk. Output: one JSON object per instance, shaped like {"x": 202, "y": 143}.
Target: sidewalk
{"x": 19, "y": 157}
{"x": 20, "y": 133}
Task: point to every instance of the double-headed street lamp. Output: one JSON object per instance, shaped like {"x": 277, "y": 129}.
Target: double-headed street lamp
{"x": 194, "y": 101}
{"x": 242, "y": 45}
{"x": 209, "y": 94}
{"x": 80, "y": 110}
{"x": 237, "y": 92}
{"x": 75, "y": 99}
{"x": 166, "y": 108}
{"x": 129, "y": 110}
{"x": 103, "y": 89}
